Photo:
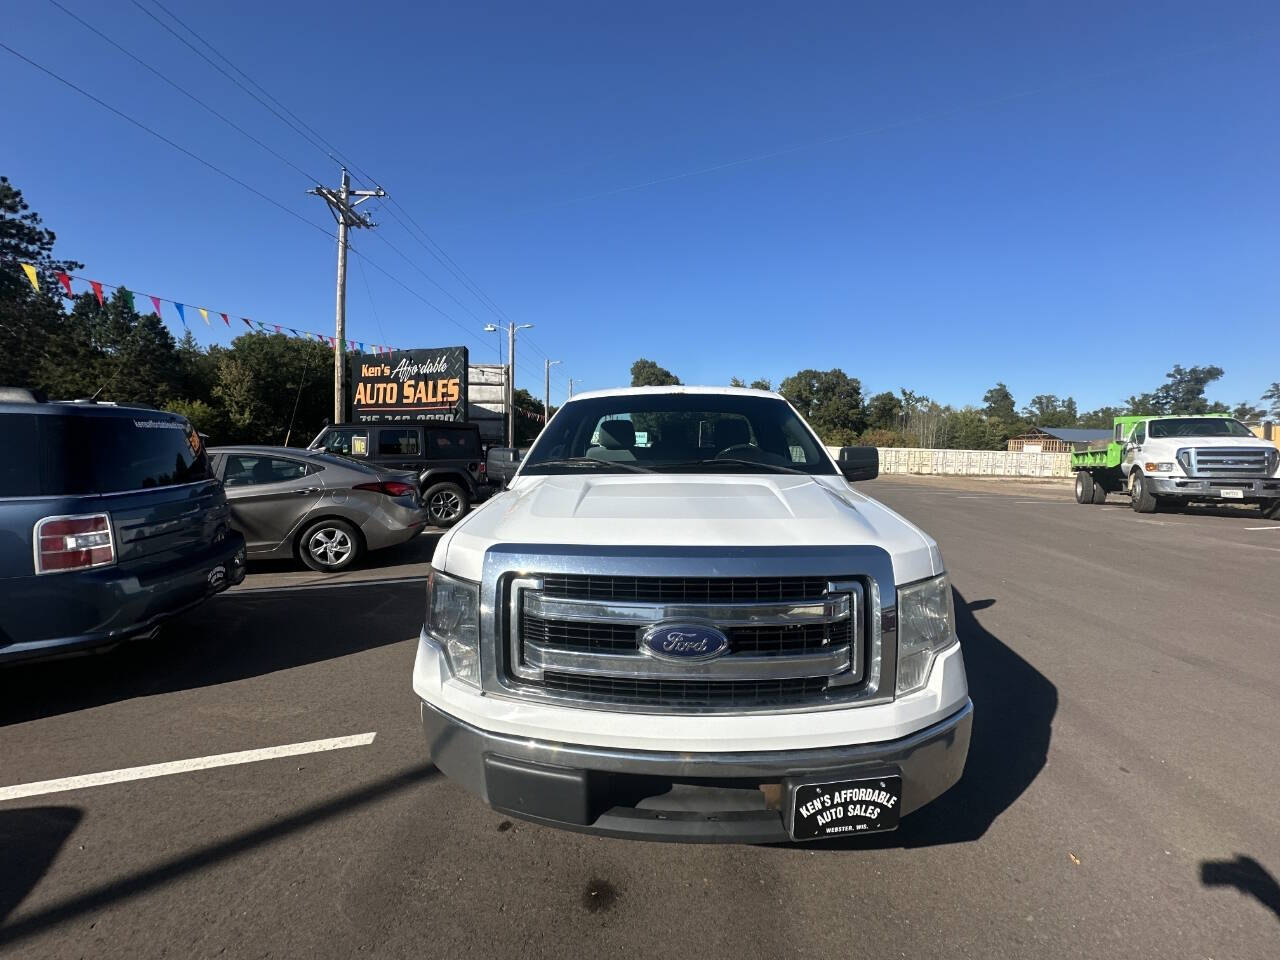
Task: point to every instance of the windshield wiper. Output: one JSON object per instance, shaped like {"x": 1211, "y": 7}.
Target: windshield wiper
{"x": 720, "y": 461}
{"x": 595, "y": 464}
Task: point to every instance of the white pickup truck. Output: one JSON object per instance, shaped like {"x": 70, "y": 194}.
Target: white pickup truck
{"x": 681, "y": 622}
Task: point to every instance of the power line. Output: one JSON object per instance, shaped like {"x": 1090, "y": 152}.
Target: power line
{"x": 185, "y": 92}
{"x": 161, "y": 137}
{"x": 318, "y": 140}
{"x": 202, "y": 55}
{"x": 330, "y": 150}
{"x": 314, "y": 138}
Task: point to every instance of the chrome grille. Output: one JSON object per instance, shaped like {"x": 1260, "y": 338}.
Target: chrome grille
{"x": 684, "y": 589}
{"x": 1227, "y": 461}
{"x": 792, "y": 640}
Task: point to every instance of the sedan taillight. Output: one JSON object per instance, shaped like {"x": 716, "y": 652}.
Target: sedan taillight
{"x": 64, "y": 544}
{"x": 392, "y": 488}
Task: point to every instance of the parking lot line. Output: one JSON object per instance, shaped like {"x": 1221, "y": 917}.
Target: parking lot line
{"x": 1274, "y": 526}
{"x": 41, "y": 787}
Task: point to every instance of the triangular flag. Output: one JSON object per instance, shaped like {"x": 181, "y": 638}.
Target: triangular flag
{"x": 294, "y": 332}
{"x": 66, "y": 282}
{"x": 31, "y": 275}
{"x": 361, "y": 346}
{"x": 128, "y": 294}
{"x": 155, "y": 301}
{"x": 97, "y": 289}
{"x": 182, "y": 312}
{"x": 204, "y": 313}
{"x": 321, "y": 337}
{"x": 225, "y": 320}
{"x": 247, "y": 322}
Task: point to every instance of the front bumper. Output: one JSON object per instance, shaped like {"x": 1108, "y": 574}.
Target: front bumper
{"x": 78, "y": 612}
{"x": 700, "y": 797}
{"x": 1211, "y": 488}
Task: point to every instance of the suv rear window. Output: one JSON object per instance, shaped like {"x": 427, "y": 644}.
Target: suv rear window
{"x": 51, "y": 455}
{"x": 453, "y": 444}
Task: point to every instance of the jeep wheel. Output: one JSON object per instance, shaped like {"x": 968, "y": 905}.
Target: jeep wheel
{"x": 329, "y": 546}
{"x": 1084, "y": 486}
{"x": 1140, "y": 496}
{"x": 447, "y": 503}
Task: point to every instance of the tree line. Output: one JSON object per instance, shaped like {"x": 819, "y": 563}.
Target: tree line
{"x": 834, "y": 405}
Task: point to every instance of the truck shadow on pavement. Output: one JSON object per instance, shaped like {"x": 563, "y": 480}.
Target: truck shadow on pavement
{"x": 1013, "y": 709}
{"x": 1246, "y": 875}
{"x": 40, "y": 848}
{"x": 31, "y": 839}
{"x": 230, "y": 637}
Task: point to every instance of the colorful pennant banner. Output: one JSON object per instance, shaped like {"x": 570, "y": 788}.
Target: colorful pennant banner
{"x": 64, "y": 280}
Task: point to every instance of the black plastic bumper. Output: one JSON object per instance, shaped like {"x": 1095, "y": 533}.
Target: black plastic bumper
{"x": 707, "y": 797}
{"x": 100, "y": 608}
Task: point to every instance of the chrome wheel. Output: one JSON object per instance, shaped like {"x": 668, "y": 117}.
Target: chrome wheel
{"x": 444, "y": 506}
{"x": 330, "y": 546}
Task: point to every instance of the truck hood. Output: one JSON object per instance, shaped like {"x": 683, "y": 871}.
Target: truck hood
{"x": 667, "y": 511}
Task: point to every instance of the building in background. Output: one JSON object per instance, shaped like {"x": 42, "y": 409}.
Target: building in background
{"x": 1057, "y": 439}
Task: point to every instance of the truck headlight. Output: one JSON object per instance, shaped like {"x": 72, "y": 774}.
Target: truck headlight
{"x": 926, "y": 626}
{"x": 453, "y": 621}
{"x": 1160, "y": 467}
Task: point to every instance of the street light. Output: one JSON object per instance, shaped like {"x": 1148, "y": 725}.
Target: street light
{"x": 546, "y": 389}
{"x": 493, "y": 328}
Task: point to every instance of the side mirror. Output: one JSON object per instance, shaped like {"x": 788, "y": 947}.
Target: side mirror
{"x": 859, "y": 463}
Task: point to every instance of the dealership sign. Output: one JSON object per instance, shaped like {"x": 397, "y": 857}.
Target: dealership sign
{"x": 410, "y": 385}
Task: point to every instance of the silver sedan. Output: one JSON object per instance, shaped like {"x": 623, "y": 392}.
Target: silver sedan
{"x": 324, "y": 509}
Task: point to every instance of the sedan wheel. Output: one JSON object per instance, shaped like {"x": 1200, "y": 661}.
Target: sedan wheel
{"x": 330, "y": 545}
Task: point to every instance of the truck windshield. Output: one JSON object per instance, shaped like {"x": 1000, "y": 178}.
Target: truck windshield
{"x": 1199, "y": 427}
{"x": 678, "y": 433}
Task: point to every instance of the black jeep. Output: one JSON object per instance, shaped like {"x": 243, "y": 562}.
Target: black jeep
{"x": 445, "y": 455}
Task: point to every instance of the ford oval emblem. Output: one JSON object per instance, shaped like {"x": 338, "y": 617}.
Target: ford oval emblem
{"x": 684, "y": 641}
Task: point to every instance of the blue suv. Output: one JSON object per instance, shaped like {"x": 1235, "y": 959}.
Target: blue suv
{"x": 110, "y": 523}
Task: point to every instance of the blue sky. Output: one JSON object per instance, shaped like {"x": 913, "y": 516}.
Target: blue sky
{"x": 1070, "y": 198}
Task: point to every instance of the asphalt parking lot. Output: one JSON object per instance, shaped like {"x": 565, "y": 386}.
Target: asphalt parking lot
{"x": 1120, "y": 797}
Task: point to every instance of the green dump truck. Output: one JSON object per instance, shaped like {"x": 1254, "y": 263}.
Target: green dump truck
{"x": 1160, "y": 461}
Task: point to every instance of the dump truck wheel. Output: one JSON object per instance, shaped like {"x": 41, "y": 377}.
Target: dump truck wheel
{"x": 1084, "y": 486}
{"x": 1140, "y": 496}
{"x": 1099, "y": 492}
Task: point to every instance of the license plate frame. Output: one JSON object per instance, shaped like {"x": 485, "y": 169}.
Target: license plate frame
{"x": 834, "y": 807}
{"x": 1232, "y": 493}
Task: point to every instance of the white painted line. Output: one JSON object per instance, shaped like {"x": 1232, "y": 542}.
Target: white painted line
{"x": 285, "y": 588}
{"x": 1274, "y": 526}
{"x": 40, "y": 787}
{"x": 982, "y": 497}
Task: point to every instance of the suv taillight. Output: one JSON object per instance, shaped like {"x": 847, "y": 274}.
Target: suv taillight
{"x": 74, "y": 543}
{"x": 392, "y": 488}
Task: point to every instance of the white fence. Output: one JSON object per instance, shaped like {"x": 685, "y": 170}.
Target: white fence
{"x": 972, "y": 463}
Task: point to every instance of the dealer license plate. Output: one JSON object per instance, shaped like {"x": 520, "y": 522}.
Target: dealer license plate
{"x": 844, "y": 808}
{"x": 1233, "y": 494}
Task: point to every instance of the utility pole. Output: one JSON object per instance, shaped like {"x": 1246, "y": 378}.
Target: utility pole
{"x": 511, "y": 379}
{"x": 571, "y": 386}
{"x": 546, "y": 390}
{"x": 342, "y": 204}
